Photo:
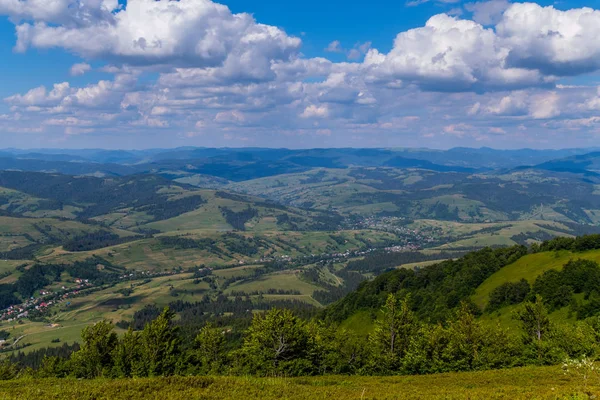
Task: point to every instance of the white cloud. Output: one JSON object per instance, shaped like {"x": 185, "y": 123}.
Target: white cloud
{"x": 545, "y": 105}
{"x": 313, "y": 111}
{"x": 63, "y": 98}
{"x": 488, "y": 12}
{"x": 68, "y": 121}
{"x": 513, "y": 104}
{"x": 334, "y": 47}
{"x": 80, "y": 69}
{"x": 535, "y": 105}
{"x": 593, "y": 103}
{"x": 450, "y": 54}
{"x": 59, "y": 11}
{"x": 221, "y": 72}
{"x": 230, "y": 117}
{"x": 460, "y": 129}
{"x": 184, "y": 33}
{"x": 40, "y": 96}
{"x": 553, "y": 41}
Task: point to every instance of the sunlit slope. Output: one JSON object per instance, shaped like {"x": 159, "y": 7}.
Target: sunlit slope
{"x": 529, "y": 267}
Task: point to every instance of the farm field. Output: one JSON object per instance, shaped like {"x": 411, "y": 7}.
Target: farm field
{"x": 518, "y": 383}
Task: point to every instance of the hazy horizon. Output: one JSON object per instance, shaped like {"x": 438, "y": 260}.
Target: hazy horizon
{"x": 33, "y": 149}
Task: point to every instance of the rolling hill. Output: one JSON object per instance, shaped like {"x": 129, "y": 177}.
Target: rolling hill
{"x": 256, "y": 228}
{"x": 417, "y": 193}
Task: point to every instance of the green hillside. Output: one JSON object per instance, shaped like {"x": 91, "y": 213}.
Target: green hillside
{"x": 529, "y": 267}
{"x": 143, "y": 240}
{"x": 523, "y": 194}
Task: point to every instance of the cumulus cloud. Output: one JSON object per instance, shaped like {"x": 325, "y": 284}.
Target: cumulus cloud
{"x": 64, "y": 98}
{"x": 529, "y": 46}
{"x": 550, "y": 40}
{"x": 60, "y": 11}
{"x": 484, "y": 74}
{"x": 535, "y": 104}
{"x": 184, "y": 33}
{"x": 40, "y": 96}
{"x": 544, "y": 106}
{"x": 488, "y": 12}
{"x": 451, "y": 54}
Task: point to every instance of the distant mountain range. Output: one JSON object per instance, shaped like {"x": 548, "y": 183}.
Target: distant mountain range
{"x": 241, "y": 164}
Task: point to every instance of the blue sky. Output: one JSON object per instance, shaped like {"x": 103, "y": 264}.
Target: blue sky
{"x": 376, "y": 73}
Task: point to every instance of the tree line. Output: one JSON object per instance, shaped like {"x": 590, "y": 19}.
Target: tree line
{"x": 279, "y": 342}
{"x": 436, "y": 289}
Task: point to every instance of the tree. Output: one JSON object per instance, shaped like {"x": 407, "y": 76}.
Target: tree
{"x": 128, "y": 361}
{"x": 160, "y": 346}
{"x": 466, "y": 340}
{"x": 8, "y": 370}
{"x": 277, "y": 342}
{"x": 210, "y": 343}
{"x": 350, "y": 350}
{"x": 322, "y": 350}
{"x": 534, "y": 323}
{"x": 54, "y": 367}
{"x": 393, "y": 331}
{"x": 94, "y": 359}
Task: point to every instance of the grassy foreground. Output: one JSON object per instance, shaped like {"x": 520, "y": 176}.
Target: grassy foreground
{"x": 517, "y": 383}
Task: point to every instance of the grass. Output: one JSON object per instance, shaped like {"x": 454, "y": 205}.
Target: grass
{"x": 10, "y": 265}
{"x": 517, "y": 383}
{"x": 501, "y": 237}
{"x": 236, "y": 271}
{"x": 143, "y": 254}
{"x": 528, "y": 267}
{"x": 20, "y": 232}
{"x": 286, "y": 280}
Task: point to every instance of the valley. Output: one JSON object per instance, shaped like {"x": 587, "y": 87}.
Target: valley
{"x": 77, "y": 249}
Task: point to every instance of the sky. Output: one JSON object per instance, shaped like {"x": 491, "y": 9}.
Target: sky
{"x": 299, "y": 74}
